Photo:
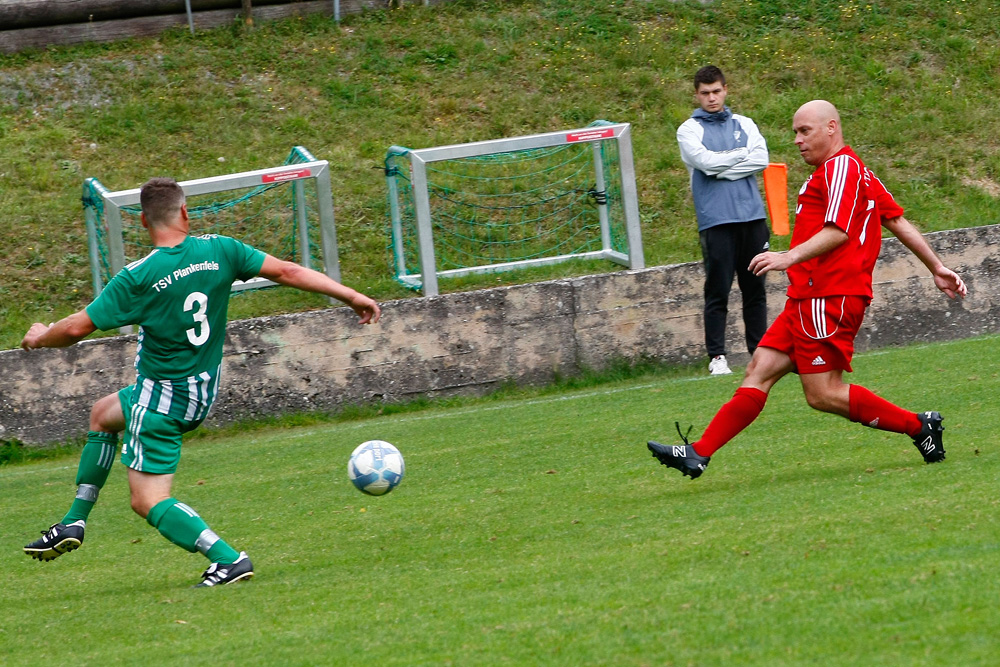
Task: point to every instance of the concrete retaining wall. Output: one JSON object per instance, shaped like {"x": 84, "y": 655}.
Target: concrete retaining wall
{"x": 35, "y": 24}
{"x": 471, "y": 342}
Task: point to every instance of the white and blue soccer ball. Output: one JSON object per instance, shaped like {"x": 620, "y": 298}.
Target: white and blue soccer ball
{"x": 376, "y": 467}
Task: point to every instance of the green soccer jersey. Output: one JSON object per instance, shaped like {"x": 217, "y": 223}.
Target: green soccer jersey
{"x": 179, "y": 298}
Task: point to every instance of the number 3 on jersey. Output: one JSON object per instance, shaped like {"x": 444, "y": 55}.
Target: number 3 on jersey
{"x": 198, "y": 334}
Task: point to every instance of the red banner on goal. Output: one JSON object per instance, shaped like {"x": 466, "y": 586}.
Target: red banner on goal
{"x": 591, "y": 135}
{"x": 286, "y": 175}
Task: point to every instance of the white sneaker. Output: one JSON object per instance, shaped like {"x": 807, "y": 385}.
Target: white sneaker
{"x": 719, "y": 366}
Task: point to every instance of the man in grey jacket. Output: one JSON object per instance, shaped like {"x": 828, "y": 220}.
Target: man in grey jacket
{"x": 723, "y": 151}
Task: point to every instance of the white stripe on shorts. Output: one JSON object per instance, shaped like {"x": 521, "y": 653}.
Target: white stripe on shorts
{"x": 138, "y": 412}
{"x": 204, "y": 393}
{"x": 819, "y": 317}
{"x": 166, "y": 397}
{"x": 147, "y": 392}
{"x": 192, "y": 407}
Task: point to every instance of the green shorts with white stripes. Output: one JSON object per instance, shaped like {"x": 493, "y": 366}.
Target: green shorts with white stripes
{"x": 152, "y": 441}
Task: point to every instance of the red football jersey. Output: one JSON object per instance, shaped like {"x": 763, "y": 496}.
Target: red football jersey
{"x": 886, "y": 208}
{"x": 843, "y": 192}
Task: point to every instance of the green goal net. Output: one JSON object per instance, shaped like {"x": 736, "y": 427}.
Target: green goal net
{"x": 510, "y": 203}
{"x": 286, "y": 211}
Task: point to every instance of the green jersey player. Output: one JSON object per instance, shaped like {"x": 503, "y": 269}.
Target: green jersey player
{"x": 178, "y": 295}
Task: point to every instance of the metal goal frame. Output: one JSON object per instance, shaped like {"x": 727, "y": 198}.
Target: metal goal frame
{"x": 303, "y": 168}
{"x": 427, "y": 279}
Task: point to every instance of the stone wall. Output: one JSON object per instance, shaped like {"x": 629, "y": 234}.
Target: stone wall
{"x": 471, "y": 342}
{"x": 36, "y": 24}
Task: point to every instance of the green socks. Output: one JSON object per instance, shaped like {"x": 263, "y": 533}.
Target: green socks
{"x": 95, "y": 465}
{"x": 181, "y": 525}
{"x": 176, "y": 521}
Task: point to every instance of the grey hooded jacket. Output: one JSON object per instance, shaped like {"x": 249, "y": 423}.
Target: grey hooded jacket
{"x": 722, "y": 152}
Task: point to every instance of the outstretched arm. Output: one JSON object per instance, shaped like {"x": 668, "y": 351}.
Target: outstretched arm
{"x": 299, "y": 277}
{"x": 825, "y": 240}
{"x": 946, "y": 280}
{"x": 67, "y": 331}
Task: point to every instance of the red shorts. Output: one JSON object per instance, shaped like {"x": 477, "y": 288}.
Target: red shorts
{"x": 818, "y": 334}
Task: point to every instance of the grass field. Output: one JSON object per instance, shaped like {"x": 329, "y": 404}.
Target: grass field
{"x": 535, "y": 529}
{"x": 908, "y": 77}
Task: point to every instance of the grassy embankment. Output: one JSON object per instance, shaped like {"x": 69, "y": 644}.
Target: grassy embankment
{"x": 907, "y": 76}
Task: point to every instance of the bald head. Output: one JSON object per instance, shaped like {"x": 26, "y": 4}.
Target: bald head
{"x": 818, "y": 134}
{"x": 821, "y": 110}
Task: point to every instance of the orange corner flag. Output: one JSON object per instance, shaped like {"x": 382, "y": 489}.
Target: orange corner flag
{"x": 776, "y": 193}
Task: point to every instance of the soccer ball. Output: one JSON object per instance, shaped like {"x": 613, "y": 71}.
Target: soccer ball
{"x": 376, "y": 467}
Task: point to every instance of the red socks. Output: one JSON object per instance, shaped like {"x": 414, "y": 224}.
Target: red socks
{"x": 731, "y": 418}
{"x": 876, "y": 412}
{"x": 746, "y": 404}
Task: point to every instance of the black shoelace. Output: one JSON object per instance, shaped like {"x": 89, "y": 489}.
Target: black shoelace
{"x": 684, "y": 436}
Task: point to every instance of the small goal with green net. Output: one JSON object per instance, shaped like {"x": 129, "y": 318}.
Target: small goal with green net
{"x": 286, "y": 211}
{"x": 513, "y": 203}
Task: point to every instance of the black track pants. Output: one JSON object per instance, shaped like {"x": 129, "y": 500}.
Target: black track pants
{"x": 727, "y": 250}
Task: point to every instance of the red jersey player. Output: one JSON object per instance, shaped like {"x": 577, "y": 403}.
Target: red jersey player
{"x": 838, "y": 218}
